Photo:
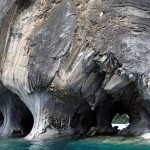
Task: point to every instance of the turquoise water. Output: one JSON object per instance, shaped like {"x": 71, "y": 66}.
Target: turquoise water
{"x": 69, "y": 143}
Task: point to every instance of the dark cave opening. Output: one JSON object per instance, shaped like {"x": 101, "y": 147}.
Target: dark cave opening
{"x": 21, "y": 119}
{"x": 83, "y": 119}
{"x": 27, "y": 122}
{"x": 1, "y": 118}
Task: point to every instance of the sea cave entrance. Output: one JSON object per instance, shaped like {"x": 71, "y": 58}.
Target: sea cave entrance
{"x": 15, "y": 117}
{"x": 121, "y": 121}
{"x": 27, "y": 121}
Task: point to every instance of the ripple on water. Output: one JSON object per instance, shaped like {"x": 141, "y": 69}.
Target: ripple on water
{"x": 70, "y": 143}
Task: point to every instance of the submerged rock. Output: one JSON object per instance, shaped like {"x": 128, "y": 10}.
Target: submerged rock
{"x": 75, "y": 65}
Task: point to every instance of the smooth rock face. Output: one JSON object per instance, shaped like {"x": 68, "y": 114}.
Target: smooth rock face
{"x": 75, "y": 65}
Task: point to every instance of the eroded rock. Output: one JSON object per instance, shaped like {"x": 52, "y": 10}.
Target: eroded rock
{"x": 13, "y": 111}
{"x": 55, "y": 54}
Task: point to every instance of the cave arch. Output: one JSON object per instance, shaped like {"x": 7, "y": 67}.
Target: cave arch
{"x": 24, "y": 116}
{"x": 16, "y": 118}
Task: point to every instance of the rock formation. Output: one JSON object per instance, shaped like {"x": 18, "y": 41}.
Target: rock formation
{"x": 73, "y": 65}
{"x": 13, "y": 112}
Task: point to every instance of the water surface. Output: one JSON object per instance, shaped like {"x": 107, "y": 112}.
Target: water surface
{"x": 70, "y": 143}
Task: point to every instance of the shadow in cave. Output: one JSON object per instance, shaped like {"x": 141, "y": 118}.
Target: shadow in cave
{"x": 1, "y": 118}
{"x": 27, "y": 121}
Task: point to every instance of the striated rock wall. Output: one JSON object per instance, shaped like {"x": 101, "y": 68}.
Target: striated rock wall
{"x": 75, "y": 65}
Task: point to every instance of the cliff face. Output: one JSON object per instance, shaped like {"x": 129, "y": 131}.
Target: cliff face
{"x": 74, "y": 65}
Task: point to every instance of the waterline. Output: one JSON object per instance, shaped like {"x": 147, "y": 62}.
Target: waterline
{"x": 71, "y": 143}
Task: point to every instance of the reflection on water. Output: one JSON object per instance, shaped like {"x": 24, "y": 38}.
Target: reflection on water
{"x": 70, "y": 143}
